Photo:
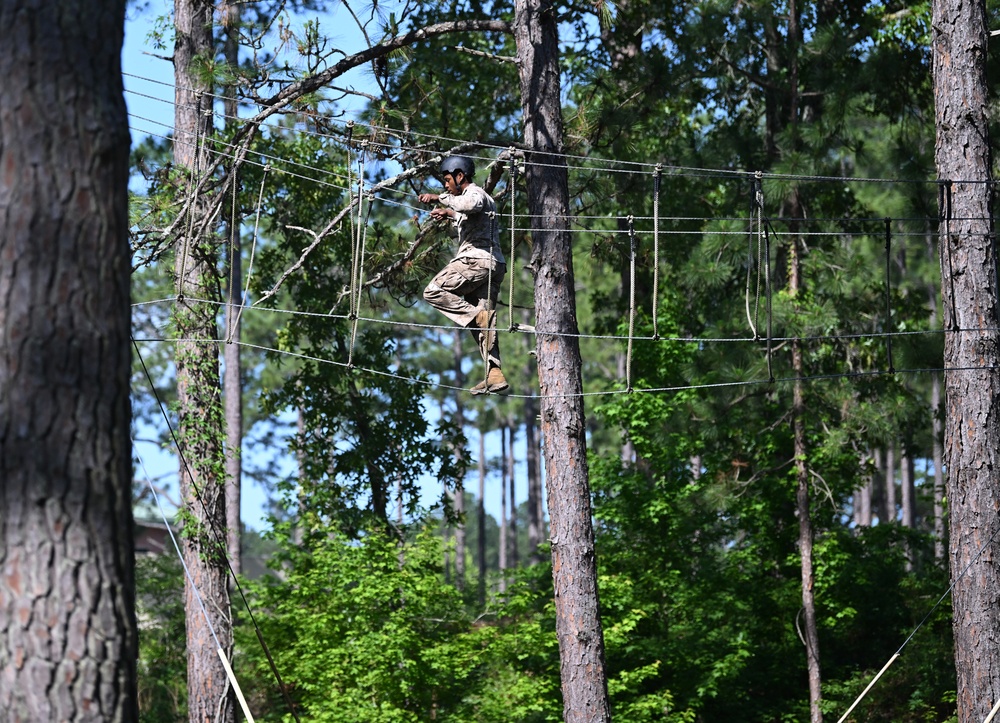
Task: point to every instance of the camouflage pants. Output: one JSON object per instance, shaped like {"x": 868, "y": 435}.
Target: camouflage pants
{"x": 461, "y": 290}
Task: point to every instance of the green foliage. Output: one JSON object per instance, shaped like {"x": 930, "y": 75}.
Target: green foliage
{"x": 162, "y": 665}
{"x": 368, "y": 630}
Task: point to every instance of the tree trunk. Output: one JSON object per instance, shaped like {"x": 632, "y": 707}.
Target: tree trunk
{"x": 200, "y": 415}
{"x": 889, "y": 478}
{"x": 938, "y": 455}
{"x": 802, "y": 508}
{"x": 574, "y": 566}
{"x": 504, "y": 543}
{"x": 512, "y": 521}
{"x": 863, "y": 497}
{"x": 232, "y": 384}
{"x": 536, "y": 510}
{"x": 937, "y": 431}
{"x": 972, "y": 390}
{"x": 68, "y": 641}
{"x": 878, "y": 497}
{"x": 907, "y": 488}
{"x": 481, "y": 519}
{"x": 460, "y": 459}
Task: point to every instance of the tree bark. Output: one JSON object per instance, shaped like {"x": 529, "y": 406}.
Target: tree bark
{"x": 890, "y": 482}
{"x": 200, "y": 416}
{"x": 972, "y": 385}
{"x": 68, "y": 641}
{"x": 536, "y": 512}
{"x": 863, "y": 497}
{"x": 481, "y": 519}
{"x": 803, "y": 511}
{"x": 574, "y": 566}
{"x": 504, "y": 542}
{"x": 938, "y": 456}
{"x": 512, "y": 559}
{"x": 460, "y": 459}
{"x": 232, "y": 383}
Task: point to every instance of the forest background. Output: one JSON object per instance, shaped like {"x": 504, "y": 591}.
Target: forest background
{"x": 754, "y": 202}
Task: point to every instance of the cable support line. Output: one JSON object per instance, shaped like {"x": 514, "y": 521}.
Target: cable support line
{"x": 632, "y": 167}
{"x": 577, "y": 218}
{"x": 853, "y": 336}
{"x": 637, "y": 166}
{"x": 608, "y": 392}
{"x": 218, "y": 537}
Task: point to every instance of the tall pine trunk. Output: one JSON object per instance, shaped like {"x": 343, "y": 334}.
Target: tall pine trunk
{"x": 232, "y": 383}
{"x": 481, "y": 521}
{"x": 200, "y": 416}
{"x": 504, "y": 542}
{"x": 574, "y": 565}
{"x": 68, "y": 641}
{"x": 460, "y": 461}
{"x": 536, "y": 508}
{"x": 972, "y": 385}
{"x": 802, "y": 506}
{"x": 512, "y": 558}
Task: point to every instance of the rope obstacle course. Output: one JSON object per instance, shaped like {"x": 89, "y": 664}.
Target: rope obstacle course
{"x": 761, "y": 231}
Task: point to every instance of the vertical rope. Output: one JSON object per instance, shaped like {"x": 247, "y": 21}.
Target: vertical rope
{"x": 888, "y": 306}
{"x": 356, "y": 302}
{"x": 767, "y": 279}
{"x": 756, "y": 222}
{"x": 490, "y": 318}
{"x": 510, "y": 261}
{"x": 656, "y": 246}
{"x": 350, "y": 182}
{"x": 357, "y": 254}
{"x": 944, "y": 204}
{"x": 253, "y": 244}
{"x": 631, "y": 304}
{"x": 230, "y": 302}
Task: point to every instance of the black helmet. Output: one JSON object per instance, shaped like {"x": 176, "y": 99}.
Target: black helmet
{"x": 458, "y": 163}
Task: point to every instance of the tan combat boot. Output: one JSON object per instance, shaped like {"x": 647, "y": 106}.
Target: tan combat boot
{"x": 495, "y": 383}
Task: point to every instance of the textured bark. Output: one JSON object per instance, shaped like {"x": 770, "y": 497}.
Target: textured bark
{"x": 938, "y": 454}
{"x": 574, "y": 566}
{"x": 863, "y": 497}
{"x": 460, "y": 460}
{"x": 889, "y": 479}
{"x": 504, "y": 542}
{"x": 232, "y": 384}
{"x": 907, "y": 487}
{"x": 200, "y": 417}
{"x": 802, "y": 508}
{"x": 512, "y": 556}
{"x": 481, "y": 520}
{"x": 68, "y": 640}
{"x": 972, "y": 384}
{"x": 536, "y": 511}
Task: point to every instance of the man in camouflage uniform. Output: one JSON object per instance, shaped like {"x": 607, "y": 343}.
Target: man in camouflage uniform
{"x": 466, "y": 289}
